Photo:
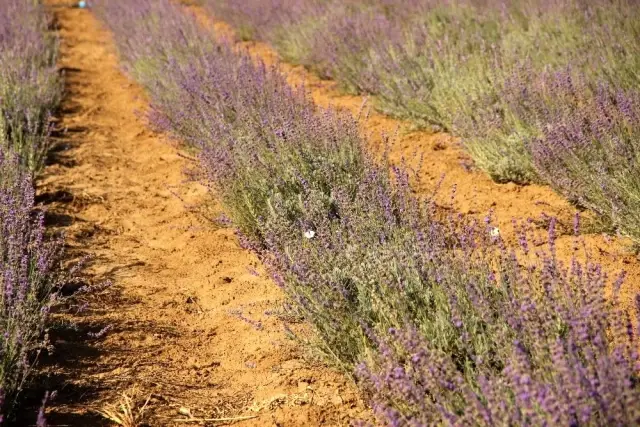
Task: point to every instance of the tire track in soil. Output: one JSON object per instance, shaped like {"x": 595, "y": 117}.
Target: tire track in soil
{"x": 443, "y": 167}
{"x": 176, "y": 277}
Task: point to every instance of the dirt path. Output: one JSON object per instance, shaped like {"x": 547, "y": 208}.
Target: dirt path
{"x": 187, "y": 321}
{"x": 444, "y": 165}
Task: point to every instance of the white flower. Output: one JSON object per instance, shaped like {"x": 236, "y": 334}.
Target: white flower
{"x": 495, "y": 232}
{"x": 309, "y": 234}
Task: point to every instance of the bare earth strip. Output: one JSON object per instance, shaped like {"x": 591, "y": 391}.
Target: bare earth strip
{"x": 170, "y": 327}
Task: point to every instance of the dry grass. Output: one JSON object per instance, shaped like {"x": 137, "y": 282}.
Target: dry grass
{"x": 125, "y": 413}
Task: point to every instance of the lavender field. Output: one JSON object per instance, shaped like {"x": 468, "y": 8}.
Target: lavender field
{"x": 434, "y": 317}
{"x": 542, "y": 91}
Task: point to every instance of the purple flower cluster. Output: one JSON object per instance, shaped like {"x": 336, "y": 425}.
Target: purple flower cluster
{"x": 440, "y": 320}
{"x": 29, "y": 260}
{"x": 590, "y": 152}
{"x": 562, "y": 355}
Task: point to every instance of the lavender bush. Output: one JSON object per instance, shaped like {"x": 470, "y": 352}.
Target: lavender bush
{"x": 598, "y": 138}
{"x": 29, "y": 84}
{"x": 28, "y": 275}
{"x": 29, "y": 260}
{"x": 438, "y": 319}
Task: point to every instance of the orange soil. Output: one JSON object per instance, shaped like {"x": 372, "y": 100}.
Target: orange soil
{"x": 176, "y": 277}
{"x": 475, "y": 192}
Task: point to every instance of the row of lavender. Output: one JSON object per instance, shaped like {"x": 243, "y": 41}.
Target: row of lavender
{"x": 29, "y": 90}
{"x": 436, "y": 318}
{"x": 539, "y": 91}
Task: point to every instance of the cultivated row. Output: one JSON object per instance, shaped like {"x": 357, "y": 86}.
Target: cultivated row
{"x": 30, "y": 89}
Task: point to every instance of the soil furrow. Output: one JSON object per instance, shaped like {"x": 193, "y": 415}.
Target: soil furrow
{"x": 190, "y": 319}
